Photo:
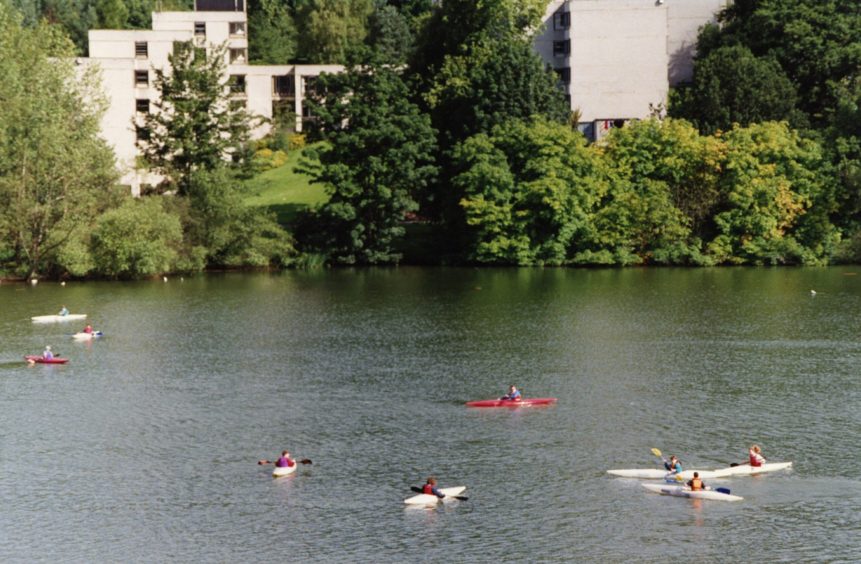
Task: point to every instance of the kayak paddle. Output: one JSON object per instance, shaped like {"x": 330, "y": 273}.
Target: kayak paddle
{"x": 657, "y": 453}
{"x": 303, "y": 461}
{"x": 419, "y": 490}
{"x": 722, "y": 490}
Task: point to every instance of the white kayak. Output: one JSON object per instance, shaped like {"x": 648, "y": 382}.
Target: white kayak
{"x": 56, "y": 318}
{"x": 748, "y": 470}
{"x": 654, "y": 474}
{"x": 684, "y": 491}
{"x": 284, "y": 470}
{"x": 430, "y": 499}
{"x": 87, "y": 336}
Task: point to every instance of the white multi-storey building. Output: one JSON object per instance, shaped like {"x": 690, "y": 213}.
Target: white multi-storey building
{"x": 127, "y": 59}
{"x": 618, "y": 58}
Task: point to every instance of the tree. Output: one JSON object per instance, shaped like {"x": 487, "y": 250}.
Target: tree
{"x": 376, "y": 159}
{"x": 55, "y": 171}
{"x": 731, "y": 85}
{"x": 389, "y": 33}
{"x": 196, "y": 124}
{"x": 529, "y": 192}
{"x": 273, "y": 36}
{"x": 329, "y": 29}
{"x": 775, "y": 201}
{"x": 140, "y": 238}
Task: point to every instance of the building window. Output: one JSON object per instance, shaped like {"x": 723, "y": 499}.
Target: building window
{"x": 237, "y": 83}
{"x": 141, "y": 134}
{"x": 561, "y": 48}
{"x": 284, "y": 114}
{"x": 141, "y": 50}
{"x": 564, "y": 74}
{"x": 284, "y": 86}
{"x": 200, "y": 29}
{"x": 142, "y": 105}
{"x": 309, "y": 85}
{"x": 237, "y": 56}
{"x": 562, "y": 20}
{"x": 219, "y": 6}
{"x": 141, "y": 79}
{"x": 237, "y": 29}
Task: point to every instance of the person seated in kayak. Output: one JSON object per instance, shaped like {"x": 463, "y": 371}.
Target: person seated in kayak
{"x": 696, "y": 484}
{"x": 755, "y": 456}
{"x": 513, "y": 394}
{"x": 47, "y": 354}
{"x": 88, "y": 329}
{"x": 63, "y": 311}
{"x": 673, "y": 465}
{"x": 285, "y": 461}
{"x": 431, "y": 489}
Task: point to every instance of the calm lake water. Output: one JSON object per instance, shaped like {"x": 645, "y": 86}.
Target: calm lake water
{"x": 144, "y": 447}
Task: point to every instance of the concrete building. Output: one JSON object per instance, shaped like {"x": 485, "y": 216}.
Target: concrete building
{"x": 617, "y": 58}
{"x": 127, "y": 59}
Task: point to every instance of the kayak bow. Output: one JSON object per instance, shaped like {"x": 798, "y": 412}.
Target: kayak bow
{"x": 525, "y": 402}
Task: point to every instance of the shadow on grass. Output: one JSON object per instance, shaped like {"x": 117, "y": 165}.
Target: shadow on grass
{"x": 286, "y": 213}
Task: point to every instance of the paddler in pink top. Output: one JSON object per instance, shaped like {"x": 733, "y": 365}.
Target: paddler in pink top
{"x": 285, "y": 461}
{"x": 756, "y": 458}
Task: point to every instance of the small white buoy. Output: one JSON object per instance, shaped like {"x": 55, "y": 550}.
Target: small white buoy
{"x": 33, "y": 281}
{"x": 164, "y": 278}
{"x": 812, "y": 292}
{"x": 62, "y": 283}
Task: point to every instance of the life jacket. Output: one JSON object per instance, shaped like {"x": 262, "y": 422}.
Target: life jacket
{"x": 428, "y": 489}
{"x": 756, "y": 459}
{"x": 696, "y": 484}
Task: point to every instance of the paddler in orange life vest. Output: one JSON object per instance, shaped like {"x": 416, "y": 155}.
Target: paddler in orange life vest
{"x": 756, "y": 458}
{"x": 695, "y": 483}
{"x": 430, "y": 488}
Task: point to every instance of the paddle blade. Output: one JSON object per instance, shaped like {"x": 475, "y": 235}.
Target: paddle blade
{"x": 657, "y": 453}
{"x": 679, "y": 478}
{"x": 416, "y": 489}
{"x": 461, "y": 497}
{"x": 305, "y": 461}
{"x": 722, "y": 490}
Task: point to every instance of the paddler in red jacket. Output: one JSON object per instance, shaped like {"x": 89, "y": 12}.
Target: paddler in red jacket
{"x": 756, "y": 458}
{"x": 431, "y": 489}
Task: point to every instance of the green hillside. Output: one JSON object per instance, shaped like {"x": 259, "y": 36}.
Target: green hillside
{"x": 283, "y": 190}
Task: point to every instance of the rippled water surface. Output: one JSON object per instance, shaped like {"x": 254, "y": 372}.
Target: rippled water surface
{"x": 143, "y": 447}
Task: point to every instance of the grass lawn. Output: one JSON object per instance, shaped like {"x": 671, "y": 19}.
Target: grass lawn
{"x": 283, "y": 190}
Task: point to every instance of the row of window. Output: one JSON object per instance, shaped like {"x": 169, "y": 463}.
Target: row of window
{"x": 237, "y": 29}
{"x": 237, "y": 56}
{"x": 282, "y": 86}
{"x": 561, "y": 48}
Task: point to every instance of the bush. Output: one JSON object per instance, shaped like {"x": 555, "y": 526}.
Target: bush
{"x": 138, "y": 239}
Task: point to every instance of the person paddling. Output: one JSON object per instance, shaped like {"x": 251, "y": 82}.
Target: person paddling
{"x": 284, "y": 461}
{"x": 431, "y": 489}
{"x": 673, "y": 465}
{"x": 513, "y": 394}
{"x": 63, "y": 312}
{"x": 755, "y": 456}
{"x": 696, "y": 484}
{"x": 88, "y": 329}
{"x": 47, "y": 354}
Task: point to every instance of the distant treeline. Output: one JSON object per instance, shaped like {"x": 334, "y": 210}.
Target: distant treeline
{"x": 447, "y": 138}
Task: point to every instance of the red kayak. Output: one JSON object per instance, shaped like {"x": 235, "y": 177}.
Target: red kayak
{"x": 42, "y": 360}
{"x": 525, "y": 402}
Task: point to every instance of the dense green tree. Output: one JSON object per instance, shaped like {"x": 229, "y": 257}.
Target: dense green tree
{"x": 529, "y": 192}
{"x": 140, "y": 238}
{"x": 389, "y": 33}
{"x": 731, "y": 85}
{"x": 816, "y": 42}
{"x": 376, "y": 159}
{"x": 55, "y": 171}
{"x": 272, "y": 38}
{"x": 329, "y": 29}
{"x": 196, "y": 124}
{"x": 112, "y": 14}
{"x": 775, "y": 199}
